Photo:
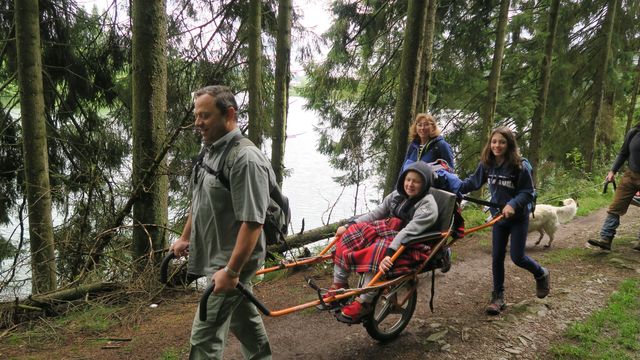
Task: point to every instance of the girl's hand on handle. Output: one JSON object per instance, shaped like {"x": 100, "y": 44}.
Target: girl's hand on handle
{"x": 508, "y": 211}
{"x": 341, "y": 230}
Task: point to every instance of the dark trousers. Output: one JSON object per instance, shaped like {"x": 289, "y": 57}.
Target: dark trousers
{"x": 518, "y": 231}
{"x": 629, "y": 185}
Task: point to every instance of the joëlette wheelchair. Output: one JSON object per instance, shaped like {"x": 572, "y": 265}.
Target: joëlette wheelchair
{"x": 395, "y": 301}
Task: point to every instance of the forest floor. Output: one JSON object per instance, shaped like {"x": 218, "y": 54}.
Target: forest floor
{"x": 582, "y": 280}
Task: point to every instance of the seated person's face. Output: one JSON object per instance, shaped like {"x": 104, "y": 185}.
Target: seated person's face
{"x": 413, "y": 183}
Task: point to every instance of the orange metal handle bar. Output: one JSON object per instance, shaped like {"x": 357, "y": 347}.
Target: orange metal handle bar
{"x": 330, "y": 245}
{"x": 398, "y": 252}
{"x": 395, "y": 256}
{"x": 247, "y": 294}
{"x": 322, "y": 256}
{"x": 312, "y": 260}
{"x": 485, "y": 225}
{"x": 286, "y": 311}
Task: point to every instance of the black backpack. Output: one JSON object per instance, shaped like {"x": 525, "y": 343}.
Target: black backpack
{"x": 278, "y": 215}
{"x": 532, "y": 205}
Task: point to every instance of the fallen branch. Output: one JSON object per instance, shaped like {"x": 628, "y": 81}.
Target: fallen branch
{"x": 74, "y": 293}
{"x": 307, "y": 237}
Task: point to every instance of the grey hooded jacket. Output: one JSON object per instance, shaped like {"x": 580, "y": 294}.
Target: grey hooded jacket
{"x": 425, "y": 210}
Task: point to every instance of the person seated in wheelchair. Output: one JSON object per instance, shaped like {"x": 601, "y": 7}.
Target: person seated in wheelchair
{"x": 369, "y": 241}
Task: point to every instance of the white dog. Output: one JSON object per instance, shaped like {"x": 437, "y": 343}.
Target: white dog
{"x": 548, "y": 217}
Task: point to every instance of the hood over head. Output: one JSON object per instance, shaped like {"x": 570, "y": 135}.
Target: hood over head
{"x": 424, "y": 170}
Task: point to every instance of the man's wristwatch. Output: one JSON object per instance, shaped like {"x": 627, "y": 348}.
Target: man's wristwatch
{"x": 231, "y": 273}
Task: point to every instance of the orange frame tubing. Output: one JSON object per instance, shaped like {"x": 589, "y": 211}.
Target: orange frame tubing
{"x": 485, "y": 225}
{"x": 322, "y": 256}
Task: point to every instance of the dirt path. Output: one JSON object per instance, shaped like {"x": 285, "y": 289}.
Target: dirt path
{"x": 582, "y": 280}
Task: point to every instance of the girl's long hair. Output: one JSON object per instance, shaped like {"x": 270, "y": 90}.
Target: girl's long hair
{"x": 512, "y": 156}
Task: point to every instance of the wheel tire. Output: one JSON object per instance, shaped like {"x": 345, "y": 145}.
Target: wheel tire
{"x": 388, "y": 319}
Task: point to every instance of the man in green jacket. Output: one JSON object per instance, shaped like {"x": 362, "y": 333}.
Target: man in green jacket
{"x": 223, "y": 234}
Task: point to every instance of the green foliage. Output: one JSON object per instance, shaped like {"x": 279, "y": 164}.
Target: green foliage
{"x": 6, "y": 248}
{"x": 353, "y": 89}
{"x": 85, "y": 320}
{"x": 611, "y": 333}
{"x": 353, "y": 93}
{"x": 94, "y": 319}
{"x": 171, "y": 354}
{"x": 88, "y": 91}
{"x": 86, "y": 59}
{"x": 558, "y": 256}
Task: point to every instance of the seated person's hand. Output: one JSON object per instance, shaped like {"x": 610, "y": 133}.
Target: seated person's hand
{"x": 386, "y": 264}
{"x": 508, "y": 211}
{"x": 341, "y": 230}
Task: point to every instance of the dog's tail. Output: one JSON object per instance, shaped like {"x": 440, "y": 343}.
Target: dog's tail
{"x": 567, "y": 213}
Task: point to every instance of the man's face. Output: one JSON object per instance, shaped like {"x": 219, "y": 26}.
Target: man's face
{"x": 209, "y": 121}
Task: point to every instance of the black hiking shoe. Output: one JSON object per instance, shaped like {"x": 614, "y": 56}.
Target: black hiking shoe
{"x": 542, "y": 285}
{"x": 446, "y": 261}
{"x": 602, "y": 243}
{"x": 497, "y": 303}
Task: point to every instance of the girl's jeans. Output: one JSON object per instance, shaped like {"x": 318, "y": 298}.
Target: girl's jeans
{"x": 518, "y": 231}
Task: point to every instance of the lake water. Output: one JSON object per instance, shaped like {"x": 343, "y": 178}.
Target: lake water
{"x": 310, "y": 188}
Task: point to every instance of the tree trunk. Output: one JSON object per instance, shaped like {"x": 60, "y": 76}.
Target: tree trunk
{"x": 255, "y": 72}
{"x": 149, "y": 81}
{"x": 104, "y": 239}
{"x": 427, "y": 58}
{"x": 281, "y": 98}
{"x": 34, "y": 146}
{"x": 405, "y": 95}
{"x": 606, "y": 123}
{"x": 537, "y": 122}
{"x": 308, "y": 237}
{"x": 74, "y": 293}
{"x": 634, "y": 98}
{"x": 416, "y": 102}
{"x": 496, "y": 67}
{"x": 599, "y": 85}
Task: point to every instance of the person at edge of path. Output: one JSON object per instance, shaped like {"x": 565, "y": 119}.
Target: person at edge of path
{"x": 223, "y": 233}
{"x": 369, "y": 241}
{"x": 510, "y": 183}
{"x": 628, "y": 187}
{"x": 426, "y": 143}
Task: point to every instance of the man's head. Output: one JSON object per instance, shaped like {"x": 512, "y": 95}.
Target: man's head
{"x": 215, "y": 112}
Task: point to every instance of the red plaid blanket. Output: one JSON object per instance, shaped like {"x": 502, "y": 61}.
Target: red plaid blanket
{"x": 363, "y": 246}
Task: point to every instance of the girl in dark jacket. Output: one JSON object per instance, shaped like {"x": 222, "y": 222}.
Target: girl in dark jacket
{"x": 510, "y": 184}
{"x": 426, "y": 143}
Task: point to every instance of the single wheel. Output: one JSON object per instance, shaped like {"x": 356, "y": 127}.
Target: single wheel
{"x": 392, "y": 310}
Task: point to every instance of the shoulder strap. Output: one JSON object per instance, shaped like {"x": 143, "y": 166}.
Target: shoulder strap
{"x": 527, "y": 163}
{"x": 234, "y": 141}
{"x": 433, "y": 145}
